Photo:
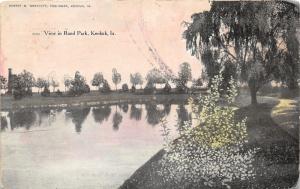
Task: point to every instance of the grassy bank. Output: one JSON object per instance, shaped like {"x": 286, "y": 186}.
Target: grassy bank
{"x": 275, "y": 163}
{"x": 89, "y": 99}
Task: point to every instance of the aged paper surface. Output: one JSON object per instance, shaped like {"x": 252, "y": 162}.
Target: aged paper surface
{"x": 149, "y": 94}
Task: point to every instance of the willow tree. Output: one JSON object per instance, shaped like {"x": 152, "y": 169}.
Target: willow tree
{"x": 247, "y": 37}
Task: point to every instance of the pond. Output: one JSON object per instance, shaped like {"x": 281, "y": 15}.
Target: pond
{"x": 82, "y": 147}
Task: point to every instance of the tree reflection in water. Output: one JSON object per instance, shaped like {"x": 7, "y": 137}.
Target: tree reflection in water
{"x": 101, "y": 113}
{"x": 3, "y": 123}
{"x": 135, "y": 113}
{"x": 167, "y": 108}
{"x": 124, "y": 107}
{"x": 43, "y": 114}
{"x": 46, "y": 115}
{"x": 22, "y": 118}
{"x": 117, "y": 119}
{"x": 155, "y": 114}
{"x": 78, "y": 115}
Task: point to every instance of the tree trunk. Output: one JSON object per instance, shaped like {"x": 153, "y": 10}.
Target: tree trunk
{"x": 253, "y": 91}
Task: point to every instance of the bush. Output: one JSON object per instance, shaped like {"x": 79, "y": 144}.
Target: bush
{"x": 78, "y": 85}
{"x": 133, "y": 89}
{"x": 181, "y": 88}
{"x": 150, "y": 88}
{"x": 167, "y": 88}
{"x": 45, "y": 92}
{"x": 18, "y": 94}
{"x": 28, "y": 92}
{"x": 212, "y": 146}
{"x": 86, "y": 89}
{"x": 58, "y": 92}
{"x": 77, "y": 91}
{"x": 125, "y": 88}
{"x": 105, "y": 88}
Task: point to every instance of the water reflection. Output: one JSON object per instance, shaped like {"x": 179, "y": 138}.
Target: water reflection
{"x": 117, "y": 119}
{"x": 3, "y": 123}
{"x": 111, "y": 134}
{"x": 43, "y": 114}
{"x": 78, "y": 115}
{"x": 135, "y": 113}
{"x": 26, "y": 118}
{"x": 47, "y": 116}
{"x": 124, "y": 107}
{"x": 167, "y": 108}
{"x": 101, "y": 113}
{"x": 156, "y": 112}
{"x": 22, "y": 118}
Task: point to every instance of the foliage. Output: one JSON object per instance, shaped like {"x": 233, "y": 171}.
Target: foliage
{"x": 289, "y": 69}
{"x": 125, "y": 88}
{"x": 247, "y": 36}
{"x": 105, "y": 88}
{"x": 98, "y": 79}
{"x": 45, "y": 92}
{"x": 22, "y": 84}
{"x": 78, "y": 85}
{"x": 136, "y": 79}
{"x": 41, "y": 83}
{"x": 210, "y": 147}
{"x": 155, "y": 76}
{"x": 197, "y": 82}
{"x": 54, "y": 83}
{"x": 3, "y": 82}
{"x": 180, "y": 87}
{"x": 116, "y": 77}
{"x": 133, "y": 89}
{"x": 149, "y": 88}
{"x": 58, "y": 92}
{"x": 185, "y": 73}
{"x": 167, "y": 88}
{"x": 204, "y": 76}
{"x": 67, "y": 81}
{"x": 27, "y": 80}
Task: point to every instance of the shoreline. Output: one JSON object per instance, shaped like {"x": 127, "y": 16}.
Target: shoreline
{"x": 91, "y": 99}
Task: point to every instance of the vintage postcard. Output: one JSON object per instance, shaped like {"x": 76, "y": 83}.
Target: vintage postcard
{"x": 149, "y": 94}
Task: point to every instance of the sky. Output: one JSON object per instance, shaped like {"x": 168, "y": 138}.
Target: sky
{"x": 137, "y": 24}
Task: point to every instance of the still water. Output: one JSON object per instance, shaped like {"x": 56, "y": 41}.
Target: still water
{"x": 82, "y": 147}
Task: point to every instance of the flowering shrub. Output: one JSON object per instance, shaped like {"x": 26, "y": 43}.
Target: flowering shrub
{"x": 210, "y": 147}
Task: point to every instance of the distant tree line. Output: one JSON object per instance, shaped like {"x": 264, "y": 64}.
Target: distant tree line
{"x": 23, "y": 83}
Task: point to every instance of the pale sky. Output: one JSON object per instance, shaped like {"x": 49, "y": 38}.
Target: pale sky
{"x": 135, "y": 22}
